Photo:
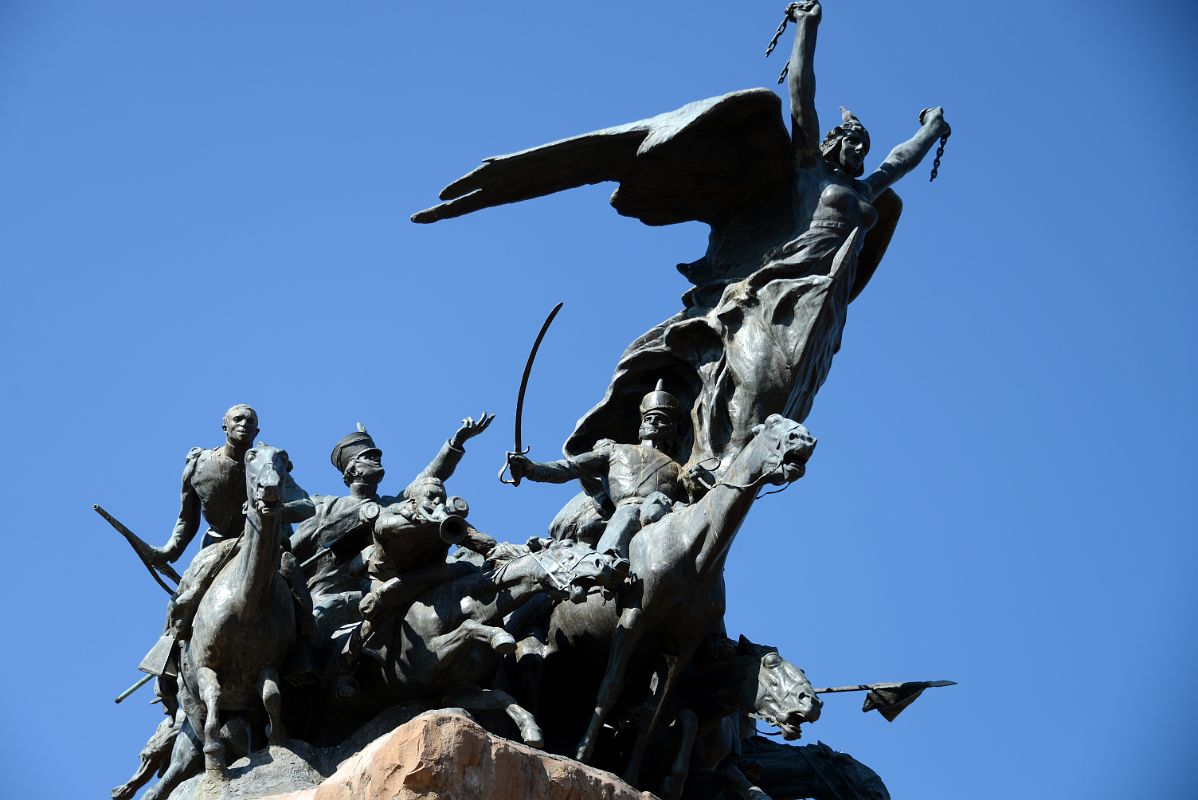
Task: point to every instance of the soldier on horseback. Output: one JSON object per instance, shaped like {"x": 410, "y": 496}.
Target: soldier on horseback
{"x": 214, "y": 489}
{"x": 642, "y": 481}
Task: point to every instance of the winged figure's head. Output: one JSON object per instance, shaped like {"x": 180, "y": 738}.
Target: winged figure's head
{"x": 844, "y": 147}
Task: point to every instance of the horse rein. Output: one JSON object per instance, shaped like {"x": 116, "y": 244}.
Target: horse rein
{"x": 753, "y": 484}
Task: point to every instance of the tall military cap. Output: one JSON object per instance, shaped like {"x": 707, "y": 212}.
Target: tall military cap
{"x": 352, "y": 445}
{"x": 661, "y": 400}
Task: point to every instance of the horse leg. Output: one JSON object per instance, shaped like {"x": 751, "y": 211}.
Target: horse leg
{"x": 185, "y": 762}
{"x": 448, "y": 646}
{"x": 671, "y": 786}
{"x": 497, "y": 700}
{"x": 743, "y": 786}
{"x": 388, "y": 595}
{"x": 623, "y": 643}
{"x": 208, "y": 687}
{"x": 157, "y": 751}
{"x": 651, "y": 712}
{"x": 268, "y": 685}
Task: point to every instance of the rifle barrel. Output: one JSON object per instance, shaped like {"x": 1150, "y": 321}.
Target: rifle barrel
{"x": 140, "y": 683}
{"x": 142, "y": 549}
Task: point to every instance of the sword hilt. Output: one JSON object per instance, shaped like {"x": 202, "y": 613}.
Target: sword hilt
{"x": 507, "y": 463}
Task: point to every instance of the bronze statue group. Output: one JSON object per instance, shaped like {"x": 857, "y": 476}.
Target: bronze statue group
{"x": 302, "y": 617}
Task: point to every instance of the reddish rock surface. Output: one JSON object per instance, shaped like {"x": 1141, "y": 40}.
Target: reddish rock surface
{"x": 448, "y": 756}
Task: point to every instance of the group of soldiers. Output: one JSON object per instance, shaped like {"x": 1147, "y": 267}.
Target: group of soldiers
{"x": 355, "y": 561}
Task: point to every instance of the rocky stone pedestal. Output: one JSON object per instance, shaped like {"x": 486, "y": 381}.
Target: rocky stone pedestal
{"x": 438, "y": 755}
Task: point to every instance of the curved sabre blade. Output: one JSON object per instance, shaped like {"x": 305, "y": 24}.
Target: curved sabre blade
{"x": 532, "y": 356}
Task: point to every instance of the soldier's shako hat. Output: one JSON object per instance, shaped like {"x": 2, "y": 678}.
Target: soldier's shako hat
{"x": 355, "y": 444}
{"x": 661, "y": 400}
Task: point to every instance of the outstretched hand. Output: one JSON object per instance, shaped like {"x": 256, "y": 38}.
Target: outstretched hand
{"x": 470, "y": 428}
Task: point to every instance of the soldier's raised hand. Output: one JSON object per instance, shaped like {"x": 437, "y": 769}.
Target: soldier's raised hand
{"x": 470, "y": 428}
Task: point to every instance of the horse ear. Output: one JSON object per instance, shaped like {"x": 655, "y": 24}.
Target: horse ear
{"x": 758, "y": 428}
{"x": 742, "y": 644}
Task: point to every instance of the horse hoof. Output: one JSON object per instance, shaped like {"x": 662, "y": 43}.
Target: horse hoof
{"x": 214, "y": 766}
{"x": 503, "y": 643}
{"x": 533, "y": 738}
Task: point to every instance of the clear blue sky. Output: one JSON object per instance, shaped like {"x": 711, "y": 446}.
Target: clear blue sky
{"x": 203, "y": 204}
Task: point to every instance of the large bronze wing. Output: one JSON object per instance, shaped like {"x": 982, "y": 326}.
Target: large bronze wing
{"x": 704, "y": 161}
{"x": 712, "y": 161}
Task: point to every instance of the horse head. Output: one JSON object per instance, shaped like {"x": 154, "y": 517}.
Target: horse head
{"x": 265, "y": 468}
{"x": 572, "y": 569}
{"x": 785, "y": 446}
{"x": 785, "y": 698}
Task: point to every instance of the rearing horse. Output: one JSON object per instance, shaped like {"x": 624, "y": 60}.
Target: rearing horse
{"x": 678, "y": 598}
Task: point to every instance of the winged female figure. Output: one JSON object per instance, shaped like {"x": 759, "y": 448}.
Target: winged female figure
{"x": 796, "y": 233}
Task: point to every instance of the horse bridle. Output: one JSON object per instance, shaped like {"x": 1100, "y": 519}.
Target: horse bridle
{"x": 776, "y": 685}
{"x": 559, "y": 567}
{"x": 753, "y": 484}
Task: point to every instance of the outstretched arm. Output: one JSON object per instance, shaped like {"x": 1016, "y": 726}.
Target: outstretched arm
{"x": 450, "y": 455}
{"x": 906, "y": 156}
{"x": 804, "y": 121}
{"x": 567, "y": 469}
